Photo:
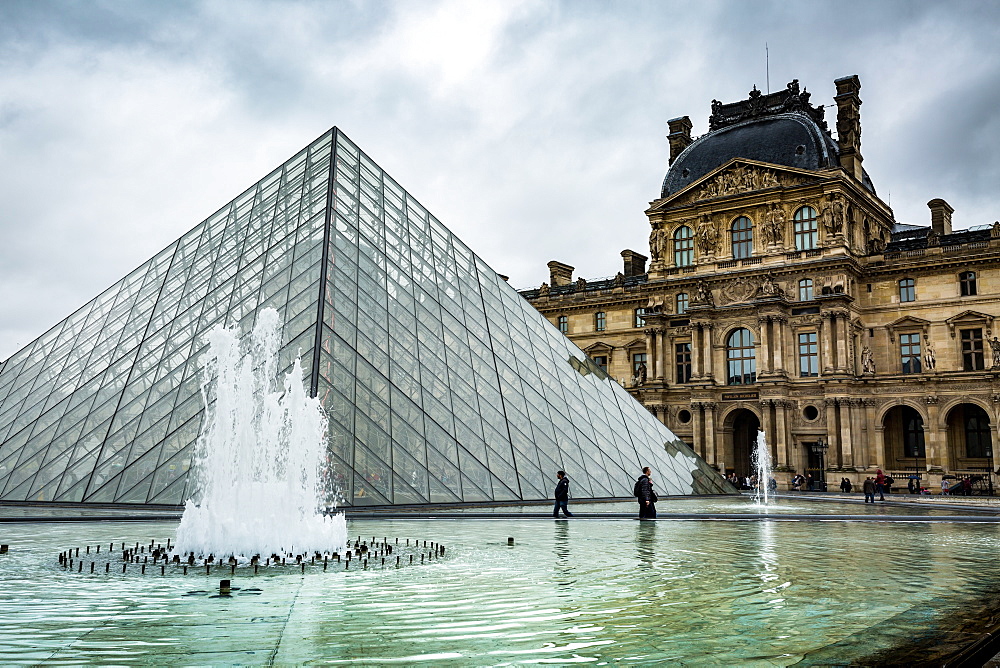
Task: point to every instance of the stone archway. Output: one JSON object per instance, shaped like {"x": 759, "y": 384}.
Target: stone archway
{"x": 969, "y": 437}
{"x": 745, "y": 425}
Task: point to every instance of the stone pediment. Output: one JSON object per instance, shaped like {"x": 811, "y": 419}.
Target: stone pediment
{"x": 907, "y": 323}
{"x": 598, "y": 348}
{"x": 635, "y": 343}
{"x": 738, "y": 177}
{"x": 969, "y": 319}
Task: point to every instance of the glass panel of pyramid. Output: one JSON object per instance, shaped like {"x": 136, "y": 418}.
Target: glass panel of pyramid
{"x": 441, "y": 383}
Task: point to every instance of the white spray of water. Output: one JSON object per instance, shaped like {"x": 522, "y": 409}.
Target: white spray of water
{"x": 762, "y": 467}
{"x": 259, "y": 455}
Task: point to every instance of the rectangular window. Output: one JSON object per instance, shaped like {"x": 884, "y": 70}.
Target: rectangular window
{"x": 682, "y": 303}
{"x": 972, "y": 350}
{"x": 602, "y": 361}
{"x": 907, "y": 290}
{"x": 682, "y": 356}
{"x": 564, "y": 324}
{"x": 909, "y": 348}
{"x": 967, "y": 282}
{"x": 638, "y": 361}
{"x": 805, "y": 289}
{"x": 808, "y": 355}
{"x": 600, "y": 321}
{"x": 640, "y": 320}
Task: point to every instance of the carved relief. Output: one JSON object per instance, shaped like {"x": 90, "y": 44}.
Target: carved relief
{"x": 703, "y": 295}
{"x": 741, "y": 289}
{"x": 768, "y": 288}
{"x": 773, "y": 229}
{"x": 744, "y": 178}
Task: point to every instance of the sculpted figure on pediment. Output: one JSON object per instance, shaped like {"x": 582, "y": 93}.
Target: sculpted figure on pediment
{"x": 744, "y": 178}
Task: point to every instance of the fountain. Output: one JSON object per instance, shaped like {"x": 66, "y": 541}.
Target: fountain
{"x": 259, "y": 455}
{"x": 762, "y": 468}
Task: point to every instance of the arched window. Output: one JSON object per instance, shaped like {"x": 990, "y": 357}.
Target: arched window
{"x": 683, "y": 247}
{"x": 907, "y": 290}
{"x": 600, "y": 321}
{"x": 682, "y": 302}
{"x": 913, "y": 433}
{"x": 805, "y": 289}
{"x": 805, "y": 228}
{"x": 741, "y": 358}
{"x": 967, "y": 283}
{"x": 742, "y": 236}
{"x": 978, "y": 439}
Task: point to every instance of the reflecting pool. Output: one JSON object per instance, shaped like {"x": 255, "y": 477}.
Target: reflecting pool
{"x": 600, "y": 591}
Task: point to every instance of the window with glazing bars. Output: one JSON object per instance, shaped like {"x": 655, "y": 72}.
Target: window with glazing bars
{"x": 805, "y": 289}
{"x": 682, "y": 303}
{"x": 909, "y": 349}
{"x": 967, "y": 283}
{"x": 600, "y": 321}
{"x": 907, "y": 290}
{"x": 741, "y": 358}
{"x": 742, "y": 237}
{"x": 805, "y": 228}
{"x": 808, "y": 355}
{"x": 564, "y": 324}
{"x": 972, "y": 350}
{"x": 683, "y": 247}
{"x": 682, "y": 359}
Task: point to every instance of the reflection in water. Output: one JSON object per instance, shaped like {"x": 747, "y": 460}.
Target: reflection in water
{"x": 619, "y": 592}
{"x": 645, "y": 543}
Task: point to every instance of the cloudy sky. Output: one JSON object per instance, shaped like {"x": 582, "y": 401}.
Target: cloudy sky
{"x": 534, "y": 130}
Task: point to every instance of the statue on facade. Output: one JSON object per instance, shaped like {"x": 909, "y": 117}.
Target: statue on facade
{"x": 995, "y": 346}
{"x": 774, "y": 226}
{"x": 708, "y": 235}
{"x": 619, "y": 280}
{"x": 703, "y": 294}
{"x": 543, "y": 291}
{"x": 654, "y": 244}
{"x": 867, "y": 361}
{"x": 929, "y": 360}
{"x": 768, "y": 288}
{"x": 640, "y": 374}
{"x": 581, "y": 283}
{"x": 832, "y": 216}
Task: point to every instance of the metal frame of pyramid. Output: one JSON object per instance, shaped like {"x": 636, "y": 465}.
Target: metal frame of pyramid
{"x": 441, "y": 383}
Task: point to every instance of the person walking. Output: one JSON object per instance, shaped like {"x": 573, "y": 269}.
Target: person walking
{"x": 944, "y": 486}
{"x": 869, "y": 490}
{"x": 562, "y": 495}
{"x": 645, "y": 495}
{"x": 880, "y": 484}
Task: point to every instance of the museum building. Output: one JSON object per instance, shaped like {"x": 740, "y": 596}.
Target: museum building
{"x": 782, "y": 294}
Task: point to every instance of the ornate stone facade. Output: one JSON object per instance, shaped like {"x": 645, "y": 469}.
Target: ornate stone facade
{"x": 855, "y": 342}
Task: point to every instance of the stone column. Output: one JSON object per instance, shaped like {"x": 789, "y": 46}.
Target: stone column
{"x": 767, "y": 423}
{"x": 765, "y": 344}
{"x": 841, "y": 328}
{"x": 781, "y": 427}
{"x": 650, "y": 353}
{"x": 781, "y": 324}
{"x": 707, "y": 355}
{"x": 711, "y": 449}
{"x": 935, "y": 439}
{"x": 661, "y": 358}
{"x": 826, "y": 341}
{"x": 846, "y": 442}
{"x": 697, "y": 437}
{"x": 874, "y": 433}
{"x": 670, "y": 369}
{"x": 696, "y": 350}
{"x": 832, "y": 436}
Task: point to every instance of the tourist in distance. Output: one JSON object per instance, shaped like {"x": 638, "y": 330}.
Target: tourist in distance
{"x": 846, "y": 486}
{"x": 869, "y": 489}
{"x": 562, "y": 495}
{"x": 880, "y": 484}
{"x": 945, "y": 485}
{"x": 643, "y": 491}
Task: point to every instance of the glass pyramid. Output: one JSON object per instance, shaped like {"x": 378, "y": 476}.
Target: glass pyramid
{"x": 441, "y": 383}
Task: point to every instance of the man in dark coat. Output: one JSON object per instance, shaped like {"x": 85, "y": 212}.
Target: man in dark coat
{"x": 869, "y": 489}
{"x": 645, "y": 495}
{"x": 562, "y": 495}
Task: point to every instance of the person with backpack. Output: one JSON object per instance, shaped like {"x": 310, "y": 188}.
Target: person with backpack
{"x": 645, "y": 495}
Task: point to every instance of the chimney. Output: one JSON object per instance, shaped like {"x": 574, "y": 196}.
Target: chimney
{"x": 679, "y": 137}
{"x": 849, "y": 124}
{"x": 560, "y": 274}
{"x": 635, "y": 264}
{"x": 940, "y": 216}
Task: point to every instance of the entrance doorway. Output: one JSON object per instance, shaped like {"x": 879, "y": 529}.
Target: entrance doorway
{"x": 745, "y": 428}
{"x": 815, "y": 466}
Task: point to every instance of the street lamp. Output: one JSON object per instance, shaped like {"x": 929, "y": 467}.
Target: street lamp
{"x": 819, "y": 447}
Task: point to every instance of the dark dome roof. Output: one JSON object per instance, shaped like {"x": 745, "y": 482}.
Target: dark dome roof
{"x": 793, "y": 139}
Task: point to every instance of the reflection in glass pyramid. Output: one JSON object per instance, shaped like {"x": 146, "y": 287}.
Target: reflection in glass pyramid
{"x": 441, "y": 383}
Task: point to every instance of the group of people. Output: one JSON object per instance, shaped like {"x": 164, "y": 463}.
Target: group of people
{"x": 643, "y": 491}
